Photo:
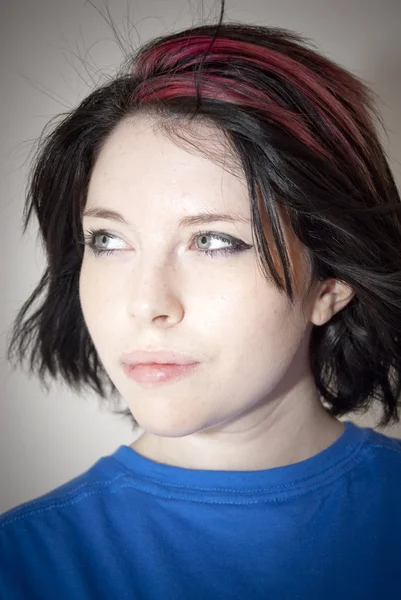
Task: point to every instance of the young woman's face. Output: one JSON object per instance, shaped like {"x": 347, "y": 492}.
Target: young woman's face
{"x": 162, "y": 285}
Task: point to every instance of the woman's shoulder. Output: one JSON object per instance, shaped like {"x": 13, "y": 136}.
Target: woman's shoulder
{"x": 383, "y": 445}
{"x": 379, "y": 464}
{"x": 93, "y": 481}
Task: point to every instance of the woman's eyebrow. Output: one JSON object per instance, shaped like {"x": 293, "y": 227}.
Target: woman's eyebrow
{"x": 205, "y": 217}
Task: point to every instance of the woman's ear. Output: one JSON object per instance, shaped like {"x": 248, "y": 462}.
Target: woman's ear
{"x": 331, "y": 296}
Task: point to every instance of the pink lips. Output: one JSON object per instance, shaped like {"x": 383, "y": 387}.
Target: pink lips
{"x": 154, "y": 373}
{"x": 165, "y": 357}
{"x": 149, "y": 368}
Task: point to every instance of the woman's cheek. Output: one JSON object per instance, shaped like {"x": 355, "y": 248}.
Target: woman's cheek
{"x": 95, "y": 292}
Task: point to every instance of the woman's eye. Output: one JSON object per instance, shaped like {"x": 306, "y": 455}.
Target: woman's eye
{"x": 208, "y": 243}
{"x": 220, "y": 244}
{"x": 98, "y": 241}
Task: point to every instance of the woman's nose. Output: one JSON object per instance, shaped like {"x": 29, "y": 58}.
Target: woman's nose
{"x": 153, "y": 293}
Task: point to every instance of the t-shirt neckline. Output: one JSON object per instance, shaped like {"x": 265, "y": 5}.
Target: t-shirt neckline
{"x": 331, "y": 461}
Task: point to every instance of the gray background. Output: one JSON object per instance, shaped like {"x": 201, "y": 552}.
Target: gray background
{"x": 52, "y": 53}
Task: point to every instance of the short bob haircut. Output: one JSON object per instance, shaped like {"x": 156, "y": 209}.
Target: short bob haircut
{"x": 302, "y": 130}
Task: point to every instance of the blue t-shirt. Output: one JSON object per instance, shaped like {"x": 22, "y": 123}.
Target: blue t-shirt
{"x": 326, "y": 528}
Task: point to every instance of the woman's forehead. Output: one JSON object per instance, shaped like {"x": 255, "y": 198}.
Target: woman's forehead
{"x": 138, "y": 164}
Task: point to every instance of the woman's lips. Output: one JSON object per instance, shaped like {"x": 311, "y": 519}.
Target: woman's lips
{"x": 154, "y": 373}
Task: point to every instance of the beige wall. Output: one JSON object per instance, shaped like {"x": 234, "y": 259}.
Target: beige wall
{"x": 47, "y": 439}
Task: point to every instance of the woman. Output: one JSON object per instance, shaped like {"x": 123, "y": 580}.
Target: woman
{"x": 223, "y": 236}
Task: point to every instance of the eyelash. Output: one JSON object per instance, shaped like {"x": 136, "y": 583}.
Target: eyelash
{"x": 237, "y": 245}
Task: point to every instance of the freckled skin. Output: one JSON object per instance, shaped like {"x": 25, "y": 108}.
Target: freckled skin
{"x": 252, "y": 403}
